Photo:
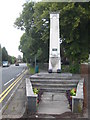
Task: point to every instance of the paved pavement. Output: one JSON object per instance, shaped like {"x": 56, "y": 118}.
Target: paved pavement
{"x": 53, "y": 103}
{"x": 16, "y": 107}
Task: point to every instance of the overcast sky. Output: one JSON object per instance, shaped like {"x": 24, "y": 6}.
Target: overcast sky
{"x": 10, "y": 36}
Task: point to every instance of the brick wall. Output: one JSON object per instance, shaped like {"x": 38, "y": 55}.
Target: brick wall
{"x": 84, "y": 70}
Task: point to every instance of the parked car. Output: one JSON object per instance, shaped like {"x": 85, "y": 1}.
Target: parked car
{"x": 5, "y": 64}
{"x": 16, "y": 64}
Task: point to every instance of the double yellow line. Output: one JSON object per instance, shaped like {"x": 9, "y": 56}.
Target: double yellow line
{"x": 7, "y": 90}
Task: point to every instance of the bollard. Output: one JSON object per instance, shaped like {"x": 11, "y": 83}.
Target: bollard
{"x": 36, "y": 69}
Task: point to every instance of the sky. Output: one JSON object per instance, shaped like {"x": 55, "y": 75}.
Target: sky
{"x": 9, "y": 35}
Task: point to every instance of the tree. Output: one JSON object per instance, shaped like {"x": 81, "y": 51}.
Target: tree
{"x": 74, "y": 30}
{"x": 4, "y": 54}
{"x": 30, "y": 43}
{"x": 6, "y": 57}
{"x": 13, "y": 59}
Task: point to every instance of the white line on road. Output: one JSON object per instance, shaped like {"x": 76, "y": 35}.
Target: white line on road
{"x": 18, "y": 74}
{"x": 23, "y": 71}
{"x": 8, "y": 81}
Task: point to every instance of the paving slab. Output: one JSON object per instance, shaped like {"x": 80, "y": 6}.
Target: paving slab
{"x": 53, "y": 103}
{"x": 16, "y": 107}
{"x": 49, "y": 75}
{"x": 46, "y": 75}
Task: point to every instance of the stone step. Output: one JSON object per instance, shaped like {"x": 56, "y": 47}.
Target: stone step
{"x": 54, "y": 85}
{"x": 56, "y": 76}
{"x": 60, "y": 90}
{"x": 44, "y": 74}
{"x": 54, "y": 81}
{"x": 50, "y": 81}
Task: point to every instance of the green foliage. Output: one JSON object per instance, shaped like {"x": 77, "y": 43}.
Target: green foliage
{"x": 13, "y": 59}
{"x": 74, "y": 29}
{"x": 9, "y": 59}
{"x": 74, "y": 67}
{"x": 65, "y": 68}
{"x": 73, "y": 92}
{"x": 74, "y": 26}
{"x": 4, "y": 54}
{"x": 35, "y": 90}
{"x": 31, "y": 69}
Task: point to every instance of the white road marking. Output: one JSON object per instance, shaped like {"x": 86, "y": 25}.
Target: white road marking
{"x": 23, "y": 71}
{"x": 8, "y": 81}
{"x": 18, "y": 74}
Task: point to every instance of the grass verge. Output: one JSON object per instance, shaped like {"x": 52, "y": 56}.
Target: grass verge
{"x": 31, "y": 69}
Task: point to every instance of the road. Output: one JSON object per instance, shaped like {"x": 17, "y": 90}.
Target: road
{"x": 11, "y": 76}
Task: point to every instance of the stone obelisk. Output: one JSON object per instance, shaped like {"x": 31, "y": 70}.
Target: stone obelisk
{"x": 54, "y": 47}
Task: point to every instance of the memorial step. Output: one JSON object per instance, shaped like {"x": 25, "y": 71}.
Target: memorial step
{"x": 50, "y": 81}
{"x": 60, "y": 90}
{"x": 53, "y": 85}
{"x": 54, "y": 81}
{"x": 57, "y": 76}
{"x": 54, "y": 78}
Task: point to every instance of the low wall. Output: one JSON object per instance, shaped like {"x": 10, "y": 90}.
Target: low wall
{"x": 31, "y": 97}
{"x": 77, "y": 101}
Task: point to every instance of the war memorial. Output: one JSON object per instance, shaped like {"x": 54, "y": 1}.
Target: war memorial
{"x": 51, "y": 93}
{"x": 54, "y": 84}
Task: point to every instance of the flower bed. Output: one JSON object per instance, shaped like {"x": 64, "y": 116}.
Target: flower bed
{"x": 69, "y": 94}
{"x": 39, "y": 92}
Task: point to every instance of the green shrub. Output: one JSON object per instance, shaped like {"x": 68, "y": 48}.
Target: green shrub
{"x": 65, "y": 68}
{"x": 75, "y": 68}
{"x": 35, "y": 90}
{"x": 73, "y": 92}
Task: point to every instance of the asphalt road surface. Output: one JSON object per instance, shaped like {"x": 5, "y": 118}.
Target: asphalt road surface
{"x": 11, "y": 76}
